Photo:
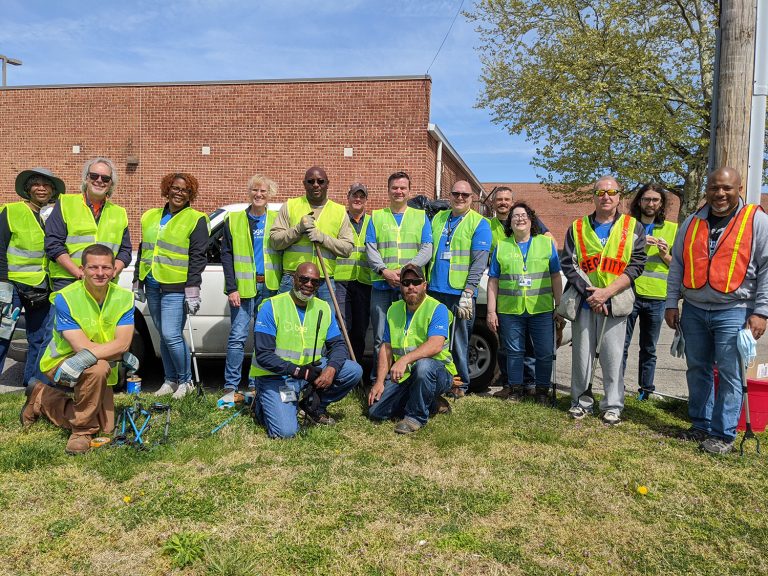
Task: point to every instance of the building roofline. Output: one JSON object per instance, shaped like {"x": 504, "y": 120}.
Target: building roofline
{"x": 438, "y": 135}
{"x": 226, "y": 82}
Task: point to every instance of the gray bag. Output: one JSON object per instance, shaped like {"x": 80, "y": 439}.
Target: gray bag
{"x": 569, "y": 304}
{"x": 623, "y": 303}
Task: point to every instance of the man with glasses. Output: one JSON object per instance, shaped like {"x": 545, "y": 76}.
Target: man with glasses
{"x": 309, "y": 223}
{"x": 461, "y": 244}
{"x": 290, "y": 332}
{"x": 649, "y": 208}
{"x": 397, "y": 235}
{"x": 603, "y": 254}
{"x": 78, "y": 220}
{"x": 415, "y": 365}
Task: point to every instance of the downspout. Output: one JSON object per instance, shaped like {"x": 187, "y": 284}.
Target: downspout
{"x": 759, "y": 93}
{"x": 439, "y": 170}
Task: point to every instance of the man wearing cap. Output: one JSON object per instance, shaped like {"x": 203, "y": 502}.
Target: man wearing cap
{"x": 462, "y": 243}
{"x": 353, "y": 276}
{"x": 78, "y": 220}
{"x": 396, "y": 236}
{"x": 308, "y": 223}
{"x": 415, "y": 365}
{"x": 23, "y": 273}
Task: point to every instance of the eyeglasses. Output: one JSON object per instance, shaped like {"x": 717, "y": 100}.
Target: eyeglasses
{"x": 463, "y": 195}
{"x": 600, "y": 193}
{"x": 647, "y": 200}
{"x": 94, "y": 177}
{"x": 307, "y": 280}
{"x": 177, "y": 190}
{"x": 313, "y": 181}
{"x": 520, "y": 217}
{"x": 411, "y": 282}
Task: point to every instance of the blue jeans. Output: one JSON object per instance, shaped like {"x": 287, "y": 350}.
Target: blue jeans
{"x": 241, "y": 319}
{"x": 529, "y": 361}
{"x": 651, "y": 314}
{"x": 516, "y": 329}
{"x": 462, "y": 329}
{"x": 710, "y": 337}
{"x": 169, "y": 315}
{"x": 415, "y": 397}
{"x": 381, "y": 300}
{"x": 354, "y": 300}
{"x": 279, "y": 417}
{"x": 36, "y": 325}
{"x": 286, "y": 284}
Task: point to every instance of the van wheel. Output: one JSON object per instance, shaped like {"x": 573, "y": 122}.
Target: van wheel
{"x": 482, "y": 357}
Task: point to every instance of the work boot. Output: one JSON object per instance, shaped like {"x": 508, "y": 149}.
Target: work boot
{"x": 78, "y": 444}
{"x": 503, "y": 394}
{"x": 516, "y": 393}
{"x": 406, "y": 426}
{"x": 542, "y": 395}
{"x": 442, "y": 406}
{"x": 28, "y": 416}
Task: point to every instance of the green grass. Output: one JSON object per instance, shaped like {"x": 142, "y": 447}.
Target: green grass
{"x": 494, "y": 488}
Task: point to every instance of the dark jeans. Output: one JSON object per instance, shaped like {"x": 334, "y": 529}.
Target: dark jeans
{"x": 36, "y": 322}
{"x": 651, "y": 314}
{"x": 529, "y": 362}
{"x": 462, "y": 330}
{"x": 354, "y": 301}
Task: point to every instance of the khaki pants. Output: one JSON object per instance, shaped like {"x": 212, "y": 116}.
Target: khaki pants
{"x": 90, "y": 409}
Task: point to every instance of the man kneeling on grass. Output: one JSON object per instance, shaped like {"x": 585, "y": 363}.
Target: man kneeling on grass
{"x": 416, "y": 339}
{"x": 93, "y": 326}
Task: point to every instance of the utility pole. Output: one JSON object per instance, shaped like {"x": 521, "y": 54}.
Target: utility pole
{"x": 6, "y": 60}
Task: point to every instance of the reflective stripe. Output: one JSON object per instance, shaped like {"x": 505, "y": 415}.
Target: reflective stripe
{"x": 305, "y": 249}
{"x": 529, "y": 292}
{"x": 461, "y": 252}
{"x": 286, "y": 354}
{"x": 170, "y": 261}
{"x": 380, "y": 245}
{"x": 24, "y": 268}
{"x": 409, "y": 245}
{"x": 244, "y": 259}
{"x": 655, "y": 259}
{"x": 659, "y": 275}
{"x": 244, "y": 276}
{"x": 80, "y": 239}
{"x": 345, "y": 262}
{"x": 173, "y": 248}
{"x": 26, "y": 253}
{"x": 460, "y": 267}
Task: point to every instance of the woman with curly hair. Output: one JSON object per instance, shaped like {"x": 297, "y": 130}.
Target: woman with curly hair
{"x": 174, "y": 240}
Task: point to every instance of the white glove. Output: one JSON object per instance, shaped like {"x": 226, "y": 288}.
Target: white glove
{"x": 138, "y": 292}
{"x": 315, "y": 235}
{"x": 6, "y": 298}
{"x": 192, "y": 299}
{"x": 131, "y": 363}
{"x": 306, "y": 223}
{"x": 464, "y": 309}
{"x": 70, "y": 370}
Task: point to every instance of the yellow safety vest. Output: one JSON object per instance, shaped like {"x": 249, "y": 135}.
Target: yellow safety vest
{"x": 82, "y": 230}
{"x": 243, "y": 257}
{"x": 497, "y": 233}
{"x": 26, "y": 248}
{"x": 355, "y": 267}
{"x": 514, "y": 296}
{"x": 653, "y": 282}
{"x": 404, "y": 341}
{"x": 295, "y": 340}
{"x": 604, "y": 264}
{"x": 328, "y": 222}
{"x": 97, "y": 322}
{"x": 398, "y": 245}
{"x": 460, "y": 246}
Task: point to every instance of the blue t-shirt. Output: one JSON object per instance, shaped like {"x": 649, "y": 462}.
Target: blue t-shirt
{"x": 258, "y": 241}
{"x": 603, "y": 231}
{"x": 649, "y": 229}
{"x": 481, "y": 240}
{"x": 438, "y": 326}
{"x": 554, "y": 262}
{"x": 65, "y": 321}
{"x": 370, "y": 237}
{"x": 149, "y": 280}
{"x": 265, "y": 321}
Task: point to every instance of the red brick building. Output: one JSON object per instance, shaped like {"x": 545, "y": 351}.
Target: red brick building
{"x": 359, "y": 129}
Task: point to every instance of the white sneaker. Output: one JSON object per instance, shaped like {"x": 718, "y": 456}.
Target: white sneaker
{"x": 226, "y": 401}
{"x": 611, "y": 417}
{"x": 577, "y": 412}
{"x": 183, "y": 389}
{"x": 168, "y": 387}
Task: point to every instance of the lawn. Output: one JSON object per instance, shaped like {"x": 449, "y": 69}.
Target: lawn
{"x": 493, "y": 488}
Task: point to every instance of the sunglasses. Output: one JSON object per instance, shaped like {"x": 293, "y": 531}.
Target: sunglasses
{"x": 313, "y": 181}
{"x": 601, "y": 193}
{"x": 93, "y": 177}
{"x": 307, "y": 280}
{"x": 411, "y": 282}
{"x": 463, "y": 195}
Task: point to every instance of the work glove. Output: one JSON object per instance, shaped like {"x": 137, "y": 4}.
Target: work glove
{"x": 71, "y": 369}
{"x": 308, "y": 372}
{"x": 138, "y": 292}
{"x": 131, "y": 363}
{"x": 678, "y": 344}
{"x": 315, "y": 235}
{"x": 6, "y": 297}
{"x": 306, "y": 223}
{"x": 192, "y": 299}
{"x": 8, "y": 312}
{"x": 464, "y": 309}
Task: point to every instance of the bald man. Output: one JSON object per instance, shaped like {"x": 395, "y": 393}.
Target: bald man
{"x": 720, "y": 269}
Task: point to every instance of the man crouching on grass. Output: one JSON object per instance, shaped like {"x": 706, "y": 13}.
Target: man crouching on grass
{"x": 93, "y": 326}
{"x": 416, "y": 339}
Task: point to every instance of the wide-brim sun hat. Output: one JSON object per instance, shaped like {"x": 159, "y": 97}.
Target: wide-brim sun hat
{"x": 58, "y": 184}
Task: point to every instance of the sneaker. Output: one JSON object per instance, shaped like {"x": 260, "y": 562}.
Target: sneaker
{"x": 577, "y": 412}
{"x": 184, "y": 389}
{"x": 530, "y": 392}
{"x": 611, "y": 417}
{"x": 502, "y": 394}
{"x": 516, "y": 394}
{"x": 78, "y": 444}
{"x": 541, "y": 396}
{"x": 407, "y": 426}
{"x": 27, "y": 416}
{"x": 168, "y": 387}
{"x": 228, "y": 400}
{"x": 713, "y": 445}
{"x": 643, "y": 395}
{"x": 693, "y": 435}
{"x": 319, "y": 416}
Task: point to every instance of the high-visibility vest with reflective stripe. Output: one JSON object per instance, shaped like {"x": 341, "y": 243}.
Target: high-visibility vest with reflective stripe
{"x": 243, "y": 257}
{"x": 514, "y": 298}
{"x": 653, "y": 282}
{"x": 165, "y": 250}
{"x": 328, "y": 222}
{"x": 295, "y": 340}
{"x": 355, "y": 267}
{"x": 497, "y": 233}
{"x": 397, "y": 245}
{"x": 404, "y": 341}
{"x": 727, "y": 268}
{"x": 460, "y": 246}
{"x": 97, "y": 322}
{"x": 82, "y": 230}
{"x": 603, "y": 264}
{"x": 26, "y": 248}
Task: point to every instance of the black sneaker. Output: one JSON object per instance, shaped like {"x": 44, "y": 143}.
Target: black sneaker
{"x": 713, "y": 445}
{"x": 643, "y": 395}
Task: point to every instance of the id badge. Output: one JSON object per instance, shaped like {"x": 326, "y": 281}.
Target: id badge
{"x": 446, "y": 255}
{"x": 524, "y": 282}
{"x": 287, "y": 394}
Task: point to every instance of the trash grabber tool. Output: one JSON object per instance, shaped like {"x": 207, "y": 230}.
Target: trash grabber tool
{"x": 587, "y": 399}
{"x": 456, "y": 390}
{"x": 553, "y": 379}
{"x": 336, "y": 309}
{"x": 748, "y": 433}
{"x": 198, "y": 384}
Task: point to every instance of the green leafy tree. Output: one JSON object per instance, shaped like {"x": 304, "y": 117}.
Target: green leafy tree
{"x": 603, "y": 86}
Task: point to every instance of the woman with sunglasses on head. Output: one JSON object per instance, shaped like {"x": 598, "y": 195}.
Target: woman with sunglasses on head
{"x": 174, "y": 240}
{"x": 524, "y": 286}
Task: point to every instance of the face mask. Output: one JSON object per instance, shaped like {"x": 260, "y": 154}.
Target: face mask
{"x": 746, "y": 346}
{"x": 301, "y": 296}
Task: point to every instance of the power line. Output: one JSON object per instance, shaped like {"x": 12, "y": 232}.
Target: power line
{"x": 446, "y": 36}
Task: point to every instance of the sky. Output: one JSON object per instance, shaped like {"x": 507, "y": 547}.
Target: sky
{"x": 110, "y": 41}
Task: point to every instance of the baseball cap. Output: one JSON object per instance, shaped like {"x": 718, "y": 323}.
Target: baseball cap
{"x": 358, "y": 187}
{"x": 414, "y": 269}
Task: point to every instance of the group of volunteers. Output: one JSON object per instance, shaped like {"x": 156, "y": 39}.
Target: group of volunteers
{"x": 312, "y": 276}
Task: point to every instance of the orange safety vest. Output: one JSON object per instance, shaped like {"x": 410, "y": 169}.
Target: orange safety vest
{"x": 726, "y": 270}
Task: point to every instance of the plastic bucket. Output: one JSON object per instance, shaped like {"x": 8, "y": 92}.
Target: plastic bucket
{"x": 758, "y": 404}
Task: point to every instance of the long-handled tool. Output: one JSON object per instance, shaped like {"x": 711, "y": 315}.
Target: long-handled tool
{"x": 748, "y": 434}
{"x": 587, "y": 399}
{"x": 311, "y": 400}
{"x": 553, "y": 378}
{"x": 198, "y": 384}
{"x": 336, "y": 309}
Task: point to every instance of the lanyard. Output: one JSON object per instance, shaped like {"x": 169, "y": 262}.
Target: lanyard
{"x": 451, "y": 229}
